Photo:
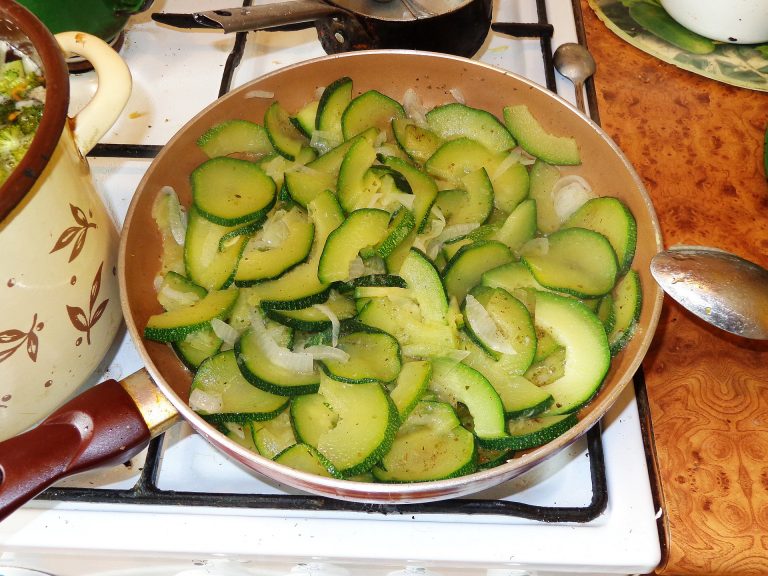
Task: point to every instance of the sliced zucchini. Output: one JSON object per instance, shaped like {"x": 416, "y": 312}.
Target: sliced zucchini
{"x": 610, "y": 217}
{"x": 519, "y": 396}
{"x": 373, "y": 357}
{"x": 548, "y": 367}
{"x": 227, "y": 396}
{"x": 317, "y": 317}
{"x": 177, "y": 291}
{"x": 519, "y": 227}
{"x": 206, "y": 263}
{"x": 371, "y": 109}
{"x": 501, "y": 325}
{"x": 300, "y": 287}
{"x": 274, "y": 436}
{"x": 430, "y": 445}
{"x": 361, "y": 229}
{"x": 196, "y": 347}
{"x": 473, "y": 203}
{"x": 333, "y": 101}
{"x": 587, "y": 355}
{"x": 467, "y": 266}
{"x": 424, "y": 286}
{"x": 528, "y": 433}
{"x": 543, "y": 179}
{"x": 532, "y": 138}
{"x": 257, "y": 265}
{"x": 418, "y": 142}
{"x": 330, "y": 162}
{"x": 307, "y": 459}
{"x": 365, "y": 428}
{"x": 400, "y": 226}
{"x": 285, "y": 137}
{"x": 410, "y": 386}
{"x": 311, "y": 417}
{"x": 422, "y": 186}
{"x": 577, "y": 261}
{"x": 356, "y": 183}
{"x": 304, "y": 184}
{"x": 233, "y": 136}
{"x": 627, "y": 304}
{"x": 175, "y": 325}
{"x": 455, "y": 382}
{"x": 259, "y": 366}
{"x": 456, "y": 120}
{"x": 306, "y": 117}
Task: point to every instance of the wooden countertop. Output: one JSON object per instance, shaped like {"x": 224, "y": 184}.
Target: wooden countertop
{"x": 698, "y": 146}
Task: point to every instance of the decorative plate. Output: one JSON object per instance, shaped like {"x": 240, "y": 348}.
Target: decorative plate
{"x": 744, "y": 65}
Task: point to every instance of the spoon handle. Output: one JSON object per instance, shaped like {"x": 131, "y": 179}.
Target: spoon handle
{"x": 579, "y": 87}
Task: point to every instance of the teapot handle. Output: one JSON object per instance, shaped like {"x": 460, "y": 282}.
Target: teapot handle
{"x": 112, "y": 93}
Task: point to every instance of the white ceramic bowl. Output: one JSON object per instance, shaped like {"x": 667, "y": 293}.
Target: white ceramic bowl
{"x": 733, "y": 21}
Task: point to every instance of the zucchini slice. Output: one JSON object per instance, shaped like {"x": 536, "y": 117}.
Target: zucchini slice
{"x": 519, "y": 227}
{"x": 532, "y": 137}
{"x": 587, "y": 355}
{"x": 456, "y": 120}
{"x": 307, "y": 459}
{"x": 285, "y": 137}
{"x": 577, "y": 261}
{"x": 468, "y": 265}
{"x": 455, "y": 382}
{"x": 333, "y": 101}
{"x": 259, "y": 367}
{"x": 430, "y": 445}
{"x": 273, "y": 436}
{"x": 627, "y": 304}
{"x": 371, "y": 109}
{"x": 373, "y": 357}
{"x": 229, "y": 191}
{"x": 610, "y": 217}
{"x": 219, "y": 379}
{"x": 233, "y": 136}
{"x": 366, "y": 424}
{"x": 528, "y": 433}
{"x": 175, "y": 325}
{"x": 361, "y": 229}
{"x": 410, "y": 386}
{"x": 258, "y": 265}
{"x": 417, "y": 142}
{"x": 196, "y": 347}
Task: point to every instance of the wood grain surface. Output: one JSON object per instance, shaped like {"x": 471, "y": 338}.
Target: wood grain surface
{"x": 698, "y": 146}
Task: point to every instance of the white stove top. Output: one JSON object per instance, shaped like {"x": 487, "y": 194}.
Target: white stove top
{"x": 176, "y": 74}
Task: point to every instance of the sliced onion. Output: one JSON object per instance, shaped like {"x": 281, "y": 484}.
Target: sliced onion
{"x": 224, "y": 331}
{"x": 569, "y": 194}
{"x": 235, "y": 429}
{"x": 177, "y": 220}
{"x": 259, "y": 94}
{"x": 485, "y": 327}
{"x": 320, "y": 352}
{"x": 335, "y": 324}
{"x": 201, "y": 401}
{"x": 535, "y": 246}
{"x": 414, "y": 108}
{"x": 300, "y": 362}
{"x": 458, "y": 95}
{"x": 324, "y": 140}
{"x": 183, "y": 298}
{"x": 274, "y": 232}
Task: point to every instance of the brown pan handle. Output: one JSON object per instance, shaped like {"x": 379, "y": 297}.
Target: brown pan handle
{"x": 105, "y": 426}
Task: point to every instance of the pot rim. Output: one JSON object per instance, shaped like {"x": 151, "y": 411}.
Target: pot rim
{"x": 56, "y": 77}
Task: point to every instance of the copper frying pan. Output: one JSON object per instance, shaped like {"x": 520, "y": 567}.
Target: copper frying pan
{"x": 113, "y": 421}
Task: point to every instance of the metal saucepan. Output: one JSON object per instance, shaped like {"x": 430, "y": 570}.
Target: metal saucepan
{"x": 106, "y": 425}
{"x": 450, "y": 26}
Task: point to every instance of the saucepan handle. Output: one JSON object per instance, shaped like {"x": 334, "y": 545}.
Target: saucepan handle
{"x": 101, "y": 427}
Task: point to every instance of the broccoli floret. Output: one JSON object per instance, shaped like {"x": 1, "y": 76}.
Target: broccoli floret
{"x": 11, "y": 138}
{"x": 13, "y": 81}
{"x": 29, "y": 118}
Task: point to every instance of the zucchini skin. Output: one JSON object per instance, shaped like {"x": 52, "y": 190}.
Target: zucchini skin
{"x": 657, "y": 21}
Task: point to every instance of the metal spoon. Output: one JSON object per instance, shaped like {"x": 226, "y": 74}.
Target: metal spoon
{"x": 575, "y": 63}
{"x": 718, "y": 287}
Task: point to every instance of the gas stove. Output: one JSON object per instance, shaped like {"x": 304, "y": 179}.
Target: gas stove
{"x": 182, "y": 508}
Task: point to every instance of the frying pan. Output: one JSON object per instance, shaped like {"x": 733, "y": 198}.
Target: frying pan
{"x": 451, "y": 26}
{"x": 113, "y": 421}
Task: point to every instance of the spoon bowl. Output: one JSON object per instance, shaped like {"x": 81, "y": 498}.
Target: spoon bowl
{"x": 575, "y": 62}
{"x": 721, "y": 288}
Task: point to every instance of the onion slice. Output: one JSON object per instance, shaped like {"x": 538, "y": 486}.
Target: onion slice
{"x": 485, "y": 327}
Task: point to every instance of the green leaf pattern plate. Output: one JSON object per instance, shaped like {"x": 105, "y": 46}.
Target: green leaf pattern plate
{"x": 744, "y": 65}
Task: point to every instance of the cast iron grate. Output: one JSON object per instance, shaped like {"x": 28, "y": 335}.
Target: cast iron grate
{"x": 146, "y": 490}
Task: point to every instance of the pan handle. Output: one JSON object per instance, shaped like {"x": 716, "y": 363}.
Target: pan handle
{"x": 104, "y": 426}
